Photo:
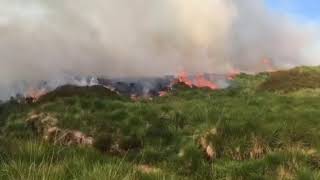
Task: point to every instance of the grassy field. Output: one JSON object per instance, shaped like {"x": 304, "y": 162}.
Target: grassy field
{"x": 263, "y": 126}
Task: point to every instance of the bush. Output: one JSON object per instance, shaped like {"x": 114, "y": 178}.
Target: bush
{"x": 130, "y": 143}
{"x": 103, "y": 142}
{"x": 99, "y": 104}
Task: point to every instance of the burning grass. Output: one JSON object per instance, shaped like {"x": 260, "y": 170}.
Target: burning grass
{"x": 190, "y": 133}
{"x": 200, "y": 81}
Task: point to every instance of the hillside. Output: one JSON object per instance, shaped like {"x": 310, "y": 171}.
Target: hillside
{"x": 263, "y": 126}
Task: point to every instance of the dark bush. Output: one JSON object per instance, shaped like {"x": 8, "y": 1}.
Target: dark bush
{"x": 99, "y": 104}
{"x": 70, "y": 101}
{"x": 85, "y": 104}
{"x": 130, "y": 142}
{"x": 103, "y": 142}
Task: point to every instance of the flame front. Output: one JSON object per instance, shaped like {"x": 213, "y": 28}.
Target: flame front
{"x": 184, "y": 78}
{"x": 200, "y": 81}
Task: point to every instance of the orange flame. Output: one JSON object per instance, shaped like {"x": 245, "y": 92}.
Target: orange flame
{"x": 183, "y": 78}
{"x": 200, "y": 81}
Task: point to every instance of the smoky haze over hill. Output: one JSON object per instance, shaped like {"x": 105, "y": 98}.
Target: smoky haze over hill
{"x": 51, "y": 40}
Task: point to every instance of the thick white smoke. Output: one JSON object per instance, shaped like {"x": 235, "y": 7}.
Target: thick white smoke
{"x": 51, "y": 40}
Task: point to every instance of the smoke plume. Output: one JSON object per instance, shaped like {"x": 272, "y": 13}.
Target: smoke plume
{"x": 52, "y": 40}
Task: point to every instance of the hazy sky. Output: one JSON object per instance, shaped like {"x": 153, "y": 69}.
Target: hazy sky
{"x": 306, "y": 11}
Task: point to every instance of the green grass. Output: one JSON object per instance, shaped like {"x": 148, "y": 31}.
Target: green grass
{"x": 266, "y": 127}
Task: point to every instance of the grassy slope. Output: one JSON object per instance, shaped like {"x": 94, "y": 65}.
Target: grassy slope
{"x": 264, "y": 131}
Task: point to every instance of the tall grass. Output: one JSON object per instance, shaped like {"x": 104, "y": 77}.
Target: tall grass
{"x": 37, "y": 160}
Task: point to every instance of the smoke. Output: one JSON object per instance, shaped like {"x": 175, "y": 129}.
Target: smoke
{"x": 53, "y": 40}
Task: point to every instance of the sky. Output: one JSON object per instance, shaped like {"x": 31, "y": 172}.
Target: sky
{"x": 306, "y": 10}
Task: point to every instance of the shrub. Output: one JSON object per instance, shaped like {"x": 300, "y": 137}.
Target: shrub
{"x": 130, "y": 142}
{"x": 103, "y": 142}
{"x": 99, "y": 104}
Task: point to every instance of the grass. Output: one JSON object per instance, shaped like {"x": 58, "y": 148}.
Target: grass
{"x": 292, "y": 80}
{"x": 259, "y": 129}
{"x": 35, "y": 160}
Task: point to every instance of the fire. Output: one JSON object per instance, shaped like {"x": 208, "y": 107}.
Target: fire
{"x": 35, "y": 94}
{"x": 202, "y": 82}
{"x": 183, "y": 78}
{"x": 233, "y": 74}
{"x": 268, "y": 64}
{"x": 199, "y": 82}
